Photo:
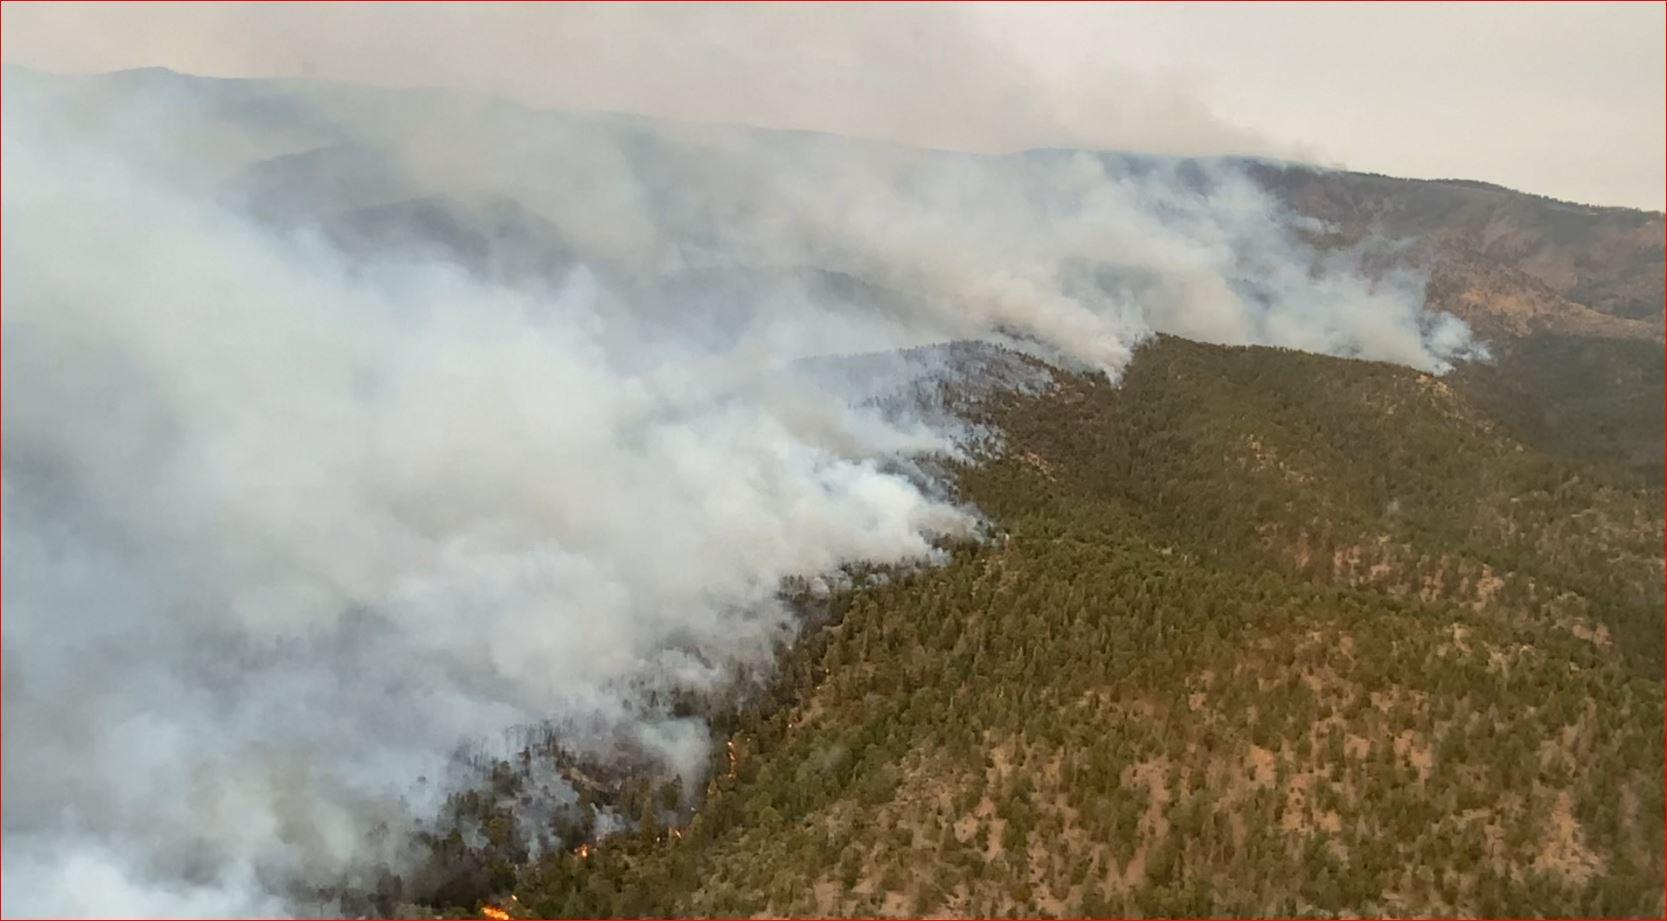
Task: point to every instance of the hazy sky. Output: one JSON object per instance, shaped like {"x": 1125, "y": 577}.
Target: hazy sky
{"x": 1561, "y": 100}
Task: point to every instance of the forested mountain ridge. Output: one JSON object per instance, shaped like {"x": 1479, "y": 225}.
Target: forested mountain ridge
{"x": 1259, "y": 631}
{"x": 1609, "y": 260}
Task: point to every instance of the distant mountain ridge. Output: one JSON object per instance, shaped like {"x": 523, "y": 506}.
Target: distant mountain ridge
{"x": 1511, "y": 263}
{"x": 1607, "y": 259}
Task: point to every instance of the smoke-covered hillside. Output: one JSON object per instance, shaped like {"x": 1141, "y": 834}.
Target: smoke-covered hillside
{"x": 1267, "y": 634}
{"x": 357, "y": 439}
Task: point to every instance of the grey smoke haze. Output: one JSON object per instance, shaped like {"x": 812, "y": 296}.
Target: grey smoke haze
{"x": 345, "y": 425}
{"x": 927, "y": 75}
{"x": 1553, "y": 98}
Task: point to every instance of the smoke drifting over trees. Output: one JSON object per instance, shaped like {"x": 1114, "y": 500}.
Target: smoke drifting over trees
{"x": 346, "y": 426}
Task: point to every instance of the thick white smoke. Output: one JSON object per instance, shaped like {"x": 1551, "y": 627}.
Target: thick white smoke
{"x": 341, "y": 427}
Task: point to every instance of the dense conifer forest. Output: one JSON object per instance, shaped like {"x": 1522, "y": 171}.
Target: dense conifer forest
{"x": 1254, "y": 631}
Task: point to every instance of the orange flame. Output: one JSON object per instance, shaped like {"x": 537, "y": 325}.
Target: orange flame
{"x": 582, "y": 851}
{"x": 494, "y": 912}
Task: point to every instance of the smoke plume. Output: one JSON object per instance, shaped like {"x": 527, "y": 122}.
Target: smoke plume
{"x": 345, "y": 426}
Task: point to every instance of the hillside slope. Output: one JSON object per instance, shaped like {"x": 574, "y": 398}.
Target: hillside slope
{"x": 1261, "y": 632}
{"x": 1608, "y": 259}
